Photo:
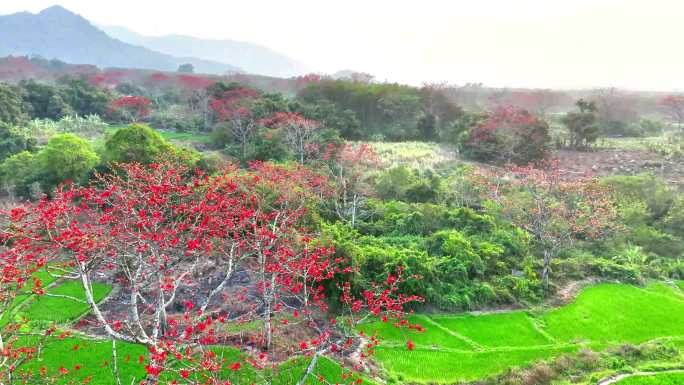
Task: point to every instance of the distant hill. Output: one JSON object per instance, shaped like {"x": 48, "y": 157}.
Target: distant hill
{"x": 58, "y": 33}
{"x": 253, "y": 58}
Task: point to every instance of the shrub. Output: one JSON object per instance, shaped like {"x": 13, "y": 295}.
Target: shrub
{"x": 12, "y": 107}
{"x": 136, "y": 143}
{"x": 17, "y": 173}
{"x": 404, "y": 184}
{"x": 582, "y": 124}
{"x": 66, "y": 157}
{"x": 508, "y": 135}
{"x": 14, "y": 140}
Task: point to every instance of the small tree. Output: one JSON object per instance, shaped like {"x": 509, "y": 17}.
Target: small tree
{"x": 66, "y": 157}
{"x": 554, "y": 209}
{"x": 13, "y": 141}
{"x": 350, "y": 170}
{"x": 673, "y": 106}
{"x": 17, "y": 282}
{"x": 136, "y": 143}
{"x": 186, "y": 68}
{"x": 582, "y": 124}
{"x": 508, "y": 135}
{"x": 234, "y": 110}
{"x": 299, "y": 131}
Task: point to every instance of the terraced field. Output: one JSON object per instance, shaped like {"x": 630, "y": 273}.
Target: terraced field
{"x": 656, "y": 379}
{"x": 453, "y": 348}
{"x": 88, "y": 360}
{"x": 469, "y": 347}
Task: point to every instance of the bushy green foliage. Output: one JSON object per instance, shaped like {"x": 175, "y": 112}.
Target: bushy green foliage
{"x": 66, "y": 157}
{"x": 70, "y": 96}
{"x": 651, "y": 213}
{"x": 12, "y": 107}
{"x": 582, "y": 124}
{"x": 91, "y": 126}
{"x": 175, "y": 118}
{"x": 45, "y": 101}
{"x": 84, "y": 98}
{"x": 18, "y": 173}
{"x": 402, "y": 183}
{"x": 14, "y": 140}
{"x": 136, "y": 143}
{"x": 389, "y": 111}
{"x": 464, "y": 258}
{"x": 267, "y": 145}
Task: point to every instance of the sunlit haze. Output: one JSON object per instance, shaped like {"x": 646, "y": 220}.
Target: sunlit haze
{"x": 511, "y": 43}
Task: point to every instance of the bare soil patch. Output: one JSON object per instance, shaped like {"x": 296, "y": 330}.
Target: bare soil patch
{"x": 605, "y": 162}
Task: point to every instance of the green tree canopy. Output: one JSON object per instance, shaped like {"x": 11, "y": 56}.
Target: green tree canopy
{"x": 84, "y": 98}
{"x": 12, "y": 107}
{"x": 136, "y": 143}
{"x": 13, "y": 140}
{"x": 45, "y": 101}
{"x": 582, "y": 124}
{"x": 65, "y": 157}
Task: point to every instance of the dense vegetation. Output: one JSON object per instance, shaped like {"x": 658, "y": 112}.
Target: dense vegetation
{"x": 470, "y": 211}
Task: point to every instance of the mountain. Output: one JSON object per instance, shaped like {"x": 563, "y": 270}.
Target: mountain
{"x": 253, "y": 58}
{"x": 58, "y": 33}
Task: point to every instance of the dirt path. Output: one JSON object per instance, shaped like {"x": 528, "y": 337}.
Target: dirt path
{"x": 619, "y": 377}
{"x": 568, "y": 293}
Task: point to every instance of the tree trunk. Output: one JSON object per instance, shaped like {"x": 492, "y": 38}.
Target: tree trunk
{"x": 547, "y": 268}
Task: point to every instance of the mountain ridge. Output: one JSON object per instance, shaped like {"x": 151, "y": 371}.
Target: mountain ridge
{"x": 252, "y": 57}
{"x": 58, "y": 33}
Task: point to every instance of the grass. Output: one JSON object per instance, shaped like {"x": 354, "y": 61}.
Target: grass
{"x": 656, "y": 379}
{"x": 630, "y": 143}
{"x": 420, "y": 155}
{"x": 496, "y": 330}
{"x": 601, "y": 316}
{"x": 174, "y": 136}
{"x": 434, "y": 366}
{"x": 434, "y": 337}
{"x": 59, "y": 309}
{"x": 612, "y": 313}
{"x": 89, "y": 360}
{"x": 85, "y": 358}
{"x": 452, "y": 349}
{"x": 26, "y": 294}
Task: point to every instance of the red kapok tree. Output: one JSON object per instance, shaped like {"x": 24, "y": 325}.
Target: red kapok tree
{"x": 673, "y": 106}
{"x": 350, "y": 168}
{"x": 509, "y": 135}
{"x": 193, "y": 258}
{"x": 18, "y": 262}
{"x": 234, "y": 109}
{"x": 553, "y": 207}
{"x": 130, "y": 108}
{"x": 299, "y": 131}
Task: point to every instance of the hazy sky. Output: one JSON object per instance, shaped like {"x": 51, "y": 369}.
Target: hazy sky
{"x": 539, "y": 43}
